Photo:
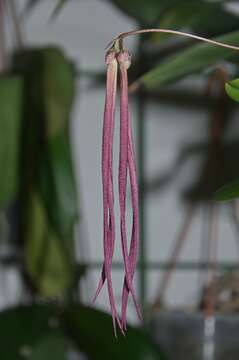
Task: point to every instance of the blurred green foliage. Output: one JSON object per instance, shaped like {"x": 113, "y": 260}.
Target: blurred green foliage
{"x": 232, "y": 89}
{"x": 186, "y": 62}
{"x": 49, "y": 331}
{"x": 231, "y": 190}
{"x": 11, "y": 94}
{"x": 193, "y": 16}
{"x": 48, "y": 193}
{"x": 228, "y": 192}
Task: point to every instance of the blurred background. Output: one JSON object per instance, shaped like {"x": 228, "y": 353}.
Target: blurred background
{"x": 52, "y": 90}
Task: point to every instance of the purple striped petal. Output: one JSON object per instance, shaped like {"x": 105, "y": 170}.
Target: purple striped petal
{"x": 126, "y": 159}
{"x": 107, "y": 182}
{"x": 135, "y": 226}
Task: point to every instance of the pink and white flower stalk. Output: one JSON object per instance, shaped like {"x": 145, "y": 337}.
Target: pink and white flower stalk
{"x": 122, "y": 60}
{"x": 116, "y": 58}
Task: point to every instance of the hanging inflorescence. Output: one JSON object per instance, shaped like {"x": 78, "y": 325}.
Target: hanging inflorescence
{"x": 118, "y": 61}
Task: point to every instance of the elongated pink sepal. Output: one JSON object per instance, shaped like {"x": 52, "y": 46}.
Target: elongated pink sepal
{"x": 107, "y": 183}
{"x": 127, "y": 162}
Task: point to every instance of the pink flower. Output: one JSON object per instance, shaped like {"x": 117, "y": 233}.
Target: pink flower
{"x": 126, "y": 164}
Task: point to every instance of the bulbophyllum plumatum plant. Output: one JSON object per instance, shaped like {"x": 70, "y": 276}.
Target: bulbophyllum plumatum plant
{"x": 118, "y": 61}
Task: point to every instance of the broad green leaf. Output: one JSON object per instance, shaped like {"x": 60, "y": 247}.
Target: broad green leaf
{"x": 227, "y": 21}
{"x": 48, "y": 180}
{"x": 58, "y": 89}
{"x": 93, "y": 332}
{"x": 41, "y": 328}
{"x": 57, "y": 187}
{"x": 49, "y": 263}
{"x": 22, "y": 331}
{"x": 197, "y": 17}
{"x": 52, "y": 347}
{"x": 56, "y": 178}
{"x": 145, "y": 12}
{"x": 11, "y": 89}
{"x": 232, "y": 89}
{"x": 194, "y": 60}
{"x": 228, "y": 192}
{"x": 50, "y": 74}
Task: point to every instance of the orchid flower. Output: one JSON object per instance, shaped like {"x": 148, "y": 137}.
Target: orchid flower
{"x": 114, "y": 60}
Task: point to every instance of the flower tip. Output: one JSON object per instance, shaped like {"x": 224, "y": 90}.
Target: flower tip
{"x": 110, "y": 56}
{"x": 124, "y": 57}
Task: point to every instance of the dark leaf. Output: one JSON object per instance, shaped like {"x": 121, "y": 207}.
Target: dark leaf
{"x": 49, "y": 262}
{"x": 39, "y": 330}
{"x": 57, "y": 187}
{"x": 228, "y": 192}
{"x": 11, "y": 94}
{"x": 49, "y": 192}
{"x": 23, "y": 332}
{"x": 145, "y": 12}
{"x": 194, "y": 60}
{"x": 232, "y": 89}
{"x": 51, "y": 347}
{"x": 93, "y": 332}
{"x": 197, "y": 16}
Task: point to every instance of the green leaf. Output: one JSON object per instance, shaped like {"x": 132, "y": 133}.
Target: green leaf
{"x": 194, "y": 60}
{"x": 56, "y": 177}
{"x": 49, "y": 191}
{"x": 24, "y": 330}
{"x": 92, "y": 330}
{"x": 145, "y": 12}
{"x": 232, "y": 89}
{"x": 58, "y": 89}
{"x": 48, "y": 261}
{"x": 197, "y": 16}
{"x": 228, "y": 192}
{"x": 11, "y": 89}
{"x": 57, "y": 187}
{"x": 51, "y": 347}
{"x": 49, "y": 88}
{"x": 42, "y": 330}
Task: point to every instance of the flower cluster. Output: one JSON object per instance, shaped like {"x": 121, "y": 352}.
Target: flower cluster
{"x": 119, "y": 60}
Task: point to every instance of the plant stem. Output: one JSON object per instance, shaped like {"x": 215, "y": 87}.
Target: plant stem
{"x": 123, "y": 35}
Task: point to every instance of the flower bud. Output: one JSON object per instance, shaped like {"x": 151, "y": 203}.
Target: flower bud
{"x": 110, "y": 57}
{"x": 124, "y": 57}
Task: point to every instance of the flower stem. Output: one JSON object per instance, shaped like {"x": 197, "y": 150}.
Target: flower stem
{"x": 123, "y": 35}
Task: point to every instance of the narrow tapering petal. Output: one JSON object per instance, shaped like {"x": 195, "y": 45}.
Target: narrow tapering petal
{"x": 135, "y": 226}
{"x": 126, "y": 159}
{"x": 107, "y": 182}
